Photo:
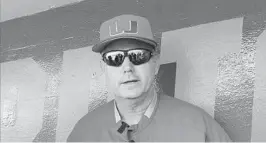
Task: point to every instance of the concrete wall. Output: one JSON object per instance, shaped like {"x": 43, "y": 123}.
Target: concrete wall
{"x": 48, "y": 84}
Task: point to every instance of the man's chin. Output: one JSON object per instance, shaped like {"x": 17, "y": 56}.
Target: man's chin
{"x": 129, "y": 96}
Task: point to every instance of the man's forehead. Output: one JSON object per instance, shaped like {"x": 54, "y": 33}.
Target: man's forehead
{"x": 126, "y": 44}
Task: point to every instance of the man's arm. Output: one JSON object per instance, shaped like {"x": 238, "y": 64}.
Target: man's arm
{"x": 75, "y": 134}
{"x": 82, "y": 131}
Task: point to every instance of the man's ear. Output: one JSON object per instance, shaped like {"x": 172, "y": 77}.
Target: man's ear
{"x": 157, "y": 63}
{"x": 157, "y": 68}
{"x": 157, "y": 57}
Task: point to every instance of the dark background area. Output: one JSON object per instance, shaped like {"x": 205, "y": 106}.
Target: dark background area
{"x": 75, "y": 26}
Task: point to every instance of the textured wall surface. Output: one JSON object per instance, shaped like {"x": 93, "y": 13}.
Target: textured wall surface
{"x": 50, "y": 78}
{"x": 216, "y": 70}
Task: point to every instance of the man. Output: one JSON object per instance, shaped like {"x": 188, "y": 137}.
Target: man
{"x": 139, "y": 113}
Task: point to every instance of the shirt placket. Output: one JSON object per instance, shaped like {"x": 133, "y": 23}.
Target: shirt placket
{"x": 131, "y": 133}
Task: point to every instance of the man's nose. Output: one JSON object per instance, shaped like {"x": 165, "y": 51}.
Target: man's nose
{"x": 127, "y": 65}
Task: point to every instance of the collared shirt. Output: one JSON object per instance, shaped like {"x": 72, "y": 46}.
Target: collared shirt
{"x": 172, "y": 120}
{"x": 147, "y": 113}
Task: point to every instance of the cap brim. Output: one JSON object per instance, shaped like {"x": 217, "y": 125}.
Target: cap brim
{"x": 98, "y": 48}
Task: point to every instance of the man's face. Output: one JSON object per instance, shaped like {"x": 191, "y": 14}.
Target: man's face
{"x": 128, "y": 80}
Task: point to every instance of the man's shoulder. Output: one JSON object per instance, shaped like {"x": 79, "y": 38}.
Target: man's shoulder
{"x": 182, "y": 113}
{"x": 190, "y": 117}
{"x": 91, "y": 124}
{"x": 102, "y": 113}
{"x": 178, "y": 107}
{"x": 99, "y": 116}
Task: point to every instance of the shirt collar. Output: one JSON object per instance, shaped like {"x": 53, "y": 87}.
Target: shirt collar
{"x": 147, "y": 113}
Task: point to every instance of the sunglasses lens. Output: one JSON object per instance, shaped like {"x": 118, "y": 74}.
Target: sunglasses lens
{"x": 114, "y": 58}
{"x": 138, "y": 57}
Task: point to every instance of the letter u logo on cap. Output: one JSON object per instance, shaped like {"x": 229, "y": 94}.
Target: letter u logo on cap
{"x": 133, "y": 29}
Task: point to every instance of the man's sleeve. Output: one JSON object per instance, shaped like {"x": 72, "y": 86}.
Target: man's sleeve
{"x": 75, "y": 134}
{"x": 80, "y": 132}
{"x": 214, "y": 132}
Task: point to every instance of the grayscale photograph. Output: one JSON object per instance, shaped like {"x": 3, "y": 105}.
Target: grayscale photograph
{"x": 133, "y": 70}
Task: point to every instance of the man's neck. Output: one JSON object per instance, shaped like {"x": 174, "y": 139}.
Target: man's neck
{"x": 131, "y": 110}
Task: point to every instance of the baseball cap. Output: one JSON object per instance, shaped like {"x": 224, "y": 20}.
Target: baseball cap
{"x": 124, "y": 27}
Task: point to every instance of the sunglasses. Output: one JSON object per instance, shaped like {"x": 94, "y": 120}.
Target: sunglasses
{"x": 136, "y": 57}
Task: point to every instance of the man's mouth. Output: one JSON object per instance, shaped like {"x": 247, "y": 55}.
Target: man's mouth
{"x": 130, "y": 81}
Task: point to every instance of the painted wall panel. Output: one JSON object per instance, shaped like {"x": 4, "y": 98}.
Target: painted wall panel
{"x": 22, "y": 85}
{"x": 259, "y": 102}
